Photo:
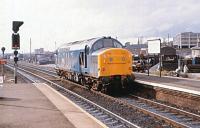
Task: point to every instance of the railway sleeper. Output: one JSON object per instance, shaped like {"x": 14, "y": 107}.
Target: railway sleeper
{"x": 187, "y": 119}
{"x": 95, "y": 111}
{"x": 113, "y": 122}
{"x": 108, "y": 119}
{"x": 196, "y": 123}
{"x": 180, "y": 116}
{"x": 119, "y": 126}
{"x": 103, "y": 116}
{"x": 90, "y": 109}
{"x": 98, "y": 114}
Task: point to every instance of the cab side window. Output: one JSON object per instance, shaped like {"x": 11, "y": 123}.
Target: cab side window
{"x": 81, "y": 58}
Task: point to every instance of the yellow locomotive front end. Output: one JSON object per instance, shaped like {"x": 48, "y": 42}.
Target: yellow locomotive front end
{"x": 115, "y": 70}
{"x": 115, "y": 61}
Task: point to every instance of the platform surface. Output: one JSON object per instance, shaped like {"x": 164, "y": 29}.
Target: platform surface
{"x": 182, "y": 84}
{"x": 30, "y": 106}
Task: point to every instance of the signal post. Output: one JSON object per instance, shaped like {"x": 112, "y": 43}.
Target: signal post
{"x": 16, "y": 44}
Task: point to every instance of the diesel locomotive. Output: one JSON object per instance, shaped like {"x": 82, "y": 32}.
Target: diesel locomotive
{"x": 101, "y": 64}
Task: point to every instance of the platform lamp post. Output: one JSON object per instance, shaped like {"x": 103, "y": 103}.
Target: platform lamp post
{"x": 3, "y": 50}
{"x": 16, "y": 44}
{"x": 2, "y": 66}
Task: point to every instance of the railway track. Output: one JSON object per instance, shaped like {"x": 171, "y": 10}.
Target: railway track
{"x": 163, "y": 115}
{"x": 108, "y": 118}
{"x": 170, "y": 114}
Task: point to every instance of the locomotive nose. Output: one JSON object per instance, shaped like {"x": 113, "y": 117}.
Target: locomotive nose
{"x": 115, "y": 61}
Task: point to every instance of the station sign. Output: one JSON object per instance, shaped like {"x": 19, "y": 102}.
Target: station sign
{"x": 154, "y": 46}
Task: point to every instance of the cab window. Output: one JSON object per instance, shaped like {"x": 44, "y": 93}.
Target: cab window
{"x": 98, "y": 45}
{"x": 117, "y": 44}
{"x": 106, "y": 43}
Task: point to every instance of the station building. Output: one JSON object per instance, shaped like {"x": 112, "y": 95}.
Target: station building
{"x": 186, "y": 40}
{"x": 195, "y": 52}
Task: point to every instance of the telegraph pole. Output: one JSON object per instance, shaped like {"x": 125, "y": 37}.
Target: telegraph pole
{"x": 168, "y": 37}
{"x": 55, "y": 45}
{"x": 16, "y": 44}
{"x": 30, "y": 51}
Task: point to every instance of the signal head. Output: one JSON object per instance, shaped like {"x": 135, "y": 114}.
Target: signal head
{"x": 16, "y": 25}
{"x": 15, "y": 53}
{"x": 15, "y": 41}
{"x": 3, "y": 49}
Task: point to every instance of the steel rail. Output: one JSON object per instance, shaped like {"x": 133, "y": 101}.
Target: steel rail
{"x": 192, "y": 115}
{"x": 152, "y": 108}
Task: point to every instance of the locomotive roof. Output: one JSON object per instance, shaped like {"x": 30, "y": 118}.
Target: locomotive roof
{"x": 78, "y": 45}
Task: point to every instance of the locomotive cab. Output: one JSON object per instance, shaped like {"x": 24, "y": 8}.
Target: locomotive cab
{"x": 114, "y": 61}
{"x": 115, "y": 69}
{"x": 111, "y": 64}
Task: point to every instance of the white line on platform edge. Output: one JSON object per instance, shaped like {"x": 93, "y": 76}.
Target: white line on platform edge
{"x": 68, "y": 100}
{"x": 169, "y": 87}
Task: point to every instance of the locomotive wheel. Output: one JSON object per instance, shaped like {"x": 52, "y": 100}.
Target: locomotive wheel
{"x": 127, "y": 86}
{"x": 82, "y": 81}
{"x": 99, "y": 87}
{"x": 116, "y": 88}
{"x": 94, "y": 86}
{"x": 104, "y": 89}
{"x": 79, "y": 79}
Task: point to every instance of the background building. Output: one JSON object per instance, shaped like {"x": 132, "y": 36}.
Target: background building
{"x": 39, "y": 51}
{"x": 136, "y": 49}
{"x": 186, "y": 40}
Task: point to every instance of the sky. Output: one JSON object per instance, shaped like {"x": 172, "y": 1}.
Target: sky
{"x": 62, "y": 21}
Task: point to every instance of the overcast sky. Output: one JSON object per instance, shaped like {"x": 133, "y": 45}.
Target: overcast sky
{"x": 47, "y": 21}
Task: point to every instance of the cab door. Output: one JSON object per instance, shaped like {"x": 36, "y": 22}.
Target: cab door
{"x": 81, "y": 61}
{"x": 86, "y": 54}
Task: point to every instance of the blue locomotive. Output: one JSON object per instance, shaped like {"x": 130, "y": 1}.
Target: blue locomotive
{"x": 101, "y": 64}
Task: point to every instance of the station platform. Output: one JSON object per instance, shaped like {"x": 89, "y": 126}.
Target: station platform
{"x": 39, "y": 106}
{"x": 175, "y": 83}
